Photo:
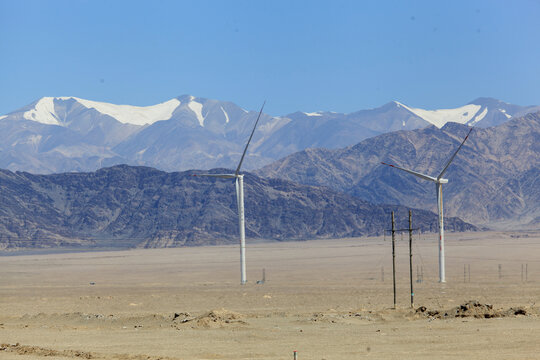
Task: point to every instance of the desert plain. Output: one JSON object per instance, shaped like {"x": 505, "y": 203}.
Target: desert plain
{"x": 325, "y": 299}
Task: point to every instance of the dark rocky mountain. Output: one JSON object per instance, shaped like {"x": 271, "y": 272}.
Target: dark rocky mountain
{"x": 125, "y": 206}
{"x": 494, "y": 180}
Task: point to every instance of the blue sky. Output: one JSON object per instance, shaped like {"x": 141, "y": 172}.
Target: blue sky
{"x": 298, "y": 55}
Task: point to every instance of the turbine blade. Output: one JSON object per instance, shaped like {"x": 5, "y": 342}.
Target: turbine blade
{"x": 249, "y": 140}
{"x": 420, "y": 175}
{"x": 222, "y": 176}
{"x": 453, "y": 156}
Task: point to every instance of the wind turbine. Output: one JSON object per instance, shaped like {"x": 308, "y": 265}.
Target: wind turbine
{"x": 239, "y": 180}
{"x": 439, "y": 180}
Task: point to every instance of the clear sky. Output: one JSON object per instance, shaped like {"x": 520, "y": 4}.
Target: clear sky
{"x": 298, "y": 55}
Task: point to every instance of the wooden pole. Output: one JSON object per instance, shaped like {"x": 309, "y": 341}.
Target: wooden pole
{"x": 394, "y": 257}
{"x": 410, "y": 258}
{"x": 469, "y": 271}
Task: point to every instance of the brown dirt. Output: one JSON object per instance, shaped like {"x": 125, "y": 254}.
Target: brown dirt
{"x": 326, "y": 299}
{"x": 217, "y": 319}
{"x": 26, "y": 350}
{"x": 476, "y": 309}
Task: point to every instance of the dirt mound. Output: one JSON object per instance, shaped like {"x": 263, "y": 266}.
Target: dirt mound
{"x": 215, "y": 319}
{"x": 335, "y": 317}
{"x": 326, "y": 318}
{"x": 472, "y": 309}
{"x": 84, "y": 319}
{"x": 182, "y": 317}
{"x": 37, "y": 351}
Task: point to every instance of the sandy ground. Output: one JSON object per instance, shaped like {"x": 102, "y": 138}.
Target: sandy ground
{"x": 326, "y": 299}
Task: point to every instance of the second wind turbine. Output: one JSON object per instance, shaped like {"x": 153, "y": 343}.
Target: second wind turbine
{"x": 239, "y": 180}
{"x": 438, "y": 185}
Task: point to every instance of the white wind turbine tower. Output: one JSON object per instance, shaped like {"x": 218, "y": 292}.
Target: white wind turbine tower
{"x": 438, "y": 185}
{"x": 240, "y": 201}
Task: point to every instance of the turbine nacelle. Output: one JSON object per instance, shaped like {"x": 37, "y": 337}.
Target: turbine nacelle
{"x": 442, "y": 181}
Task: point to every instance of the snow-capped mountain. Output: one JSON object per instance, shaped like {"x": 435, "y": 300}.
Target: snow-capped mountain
{"x": 57, "y": 134}
{"x": 73, "y": 134}
{"x": 483, "y": 112}
{"x": 57, "y": 111}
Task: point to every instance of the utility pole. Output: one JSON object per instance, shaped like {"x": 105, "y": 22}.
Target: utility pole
{"x": 410, "y": 258}
{"x": 394, "y": 257}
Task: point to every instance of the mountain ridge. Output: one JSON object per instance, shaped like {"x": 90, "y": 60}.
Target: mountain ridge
{"x": 125, "y": 206}
{"x": 58, "y": 134}
{"x": 488, "y": 178}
